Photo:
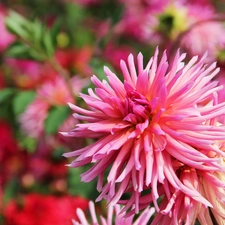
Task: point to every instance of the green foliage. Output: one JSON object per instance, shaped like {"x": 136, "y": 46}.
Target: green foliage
{"x": 76, "y": 187}
{"x": 74, "y": 14}
{"x": 5, "y": 94}
{"x": 57, "y": 153}
{"x": 108, "y": 9}
{"x": 10, "y": 191}
{"x": 28, "y": 143}
{"x": 56, "y": 117}
{"x": 35, "y": 40}
{"x": 22, "y": 100}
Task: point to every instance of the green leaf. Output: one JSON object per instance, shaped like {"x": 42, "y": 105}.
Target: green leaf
{"x": 18, "y": 25}
{"x": 38, "y": 31}
{"x": 76, "y": 187}
{"x": 48, "y": 45}
{"x": 18, "y": 50}
{"x": 57, "y": 153}
{"x": 10, "y": 192}
{"x": 36, "y": 40}
{"x": 56, "y": 117}
{"x": 6, "y": 93}
{"x": 75, "y": 13}
{"x": 55, "y": 30}
{"x": 28, "y": 143}
{"x": 22, "y": 100}
{"x": 109, "y": 9}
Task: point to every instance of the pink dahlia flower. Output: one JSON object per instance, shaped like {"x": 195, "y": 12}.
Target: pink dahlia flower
{"x": 120, "y": 218}
{"x": 185, "y": 210}
{"x": 157, "y": 114}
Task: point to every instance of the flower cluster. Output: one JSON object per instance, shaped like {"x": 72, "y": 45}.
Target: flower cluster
{"x": 146, "y": 131}
{"x": 158, "y": 133}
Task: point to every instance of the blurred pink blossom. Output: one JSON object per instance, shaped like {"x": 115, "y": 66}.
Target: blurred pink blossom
{"x": 6, "y": 38}
{"x": 143, "y": 123}
{"x": 32, "y": 120}
{"x": 113, "y": 54}
{"x": 139, "y": 20}
{"x": 54, "y": 92}
{"x": 206, "y": 36}
{"x": 29, "y": 74}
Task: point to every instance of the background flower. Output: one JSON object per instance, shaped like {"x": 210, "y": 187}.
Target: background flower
{"x": 35, "y": 209}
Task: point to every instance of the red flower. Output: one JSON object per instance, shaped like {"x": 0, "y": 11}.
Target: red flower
{"x": 11, "y": 158}
{"x": 36, "y": 209}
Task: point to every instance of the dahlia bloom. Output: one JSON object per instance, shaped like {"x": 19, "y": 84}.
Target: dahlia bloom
{"x": 157, "y": 114}
{"x": 120, "y": 218}
{"x": 199, "y": 39}
{"x": 185, "y": 210}
{"x": 221, "y": 79}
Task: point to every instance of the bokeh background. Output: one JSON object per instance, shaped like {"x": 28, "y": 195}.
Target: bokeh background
{"x": 48, "y": 52}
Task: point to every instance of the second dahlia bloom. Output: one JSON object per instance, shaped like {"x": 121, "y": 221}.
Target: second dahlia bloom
{"x": 119, "y": 219}
{"x": 185, "y": 210}
{"x": 158, "y": 114}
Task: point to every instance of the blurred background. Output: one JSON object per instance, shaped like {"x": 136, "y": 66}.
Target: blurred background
{"x": 49, "y": 49}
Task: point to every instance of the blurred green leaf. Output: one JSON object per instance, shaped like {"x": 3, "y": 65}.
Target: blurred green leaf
{"x": 221, "y": 56}
{"x": 76, "y": 187}
{"x": 6, "y": 93}
{"x": 56, "y": 117}
{"x": 83, "y": 37}
{"x": 22, "y": 100}
{"x": 38, "y": 31}
{"x": 48, "y": 45}
{"x": 17, "y": 24}
{"x": 19, "y": 50}
{"x": 28, "y": 143}
{"x": 109, "y": 9}
{"x": 75, "y": 13}
{"x": 57, "y": 153}
{"x": 36, "y": 40}
{"x": 10, "y": 190}
{"x": 55, "y": 30}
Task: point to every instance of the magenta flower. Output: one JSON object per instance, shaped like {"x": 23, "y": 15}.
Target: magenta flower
{"x": 158, "y": 114}
{"x": 120, "y": 218}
